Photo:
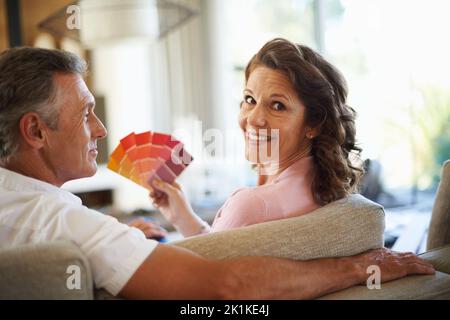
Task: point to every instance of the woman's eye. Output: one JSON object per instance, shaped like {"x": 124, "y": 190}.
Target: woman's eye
{"x": 249, "y": 100}
{"x": 278, "y": 106}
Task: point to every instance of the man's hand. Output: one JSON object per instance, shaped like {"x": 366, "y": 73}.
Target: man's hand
{"x": 393, "y": 265}
{"x": 152, "y": 230}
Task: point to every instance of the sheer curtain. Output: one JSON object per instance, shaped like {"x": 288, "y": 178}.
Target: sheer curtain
{"x": 156, "y": 86}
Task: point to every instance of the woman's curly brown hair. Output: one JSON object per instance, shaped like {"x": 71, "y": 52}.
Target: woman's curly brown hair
{"x": 323, "y": 91}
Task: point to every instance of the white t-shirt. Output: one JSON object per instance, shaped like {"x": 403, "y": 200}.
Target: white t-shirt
{"x": 33, "y": 211}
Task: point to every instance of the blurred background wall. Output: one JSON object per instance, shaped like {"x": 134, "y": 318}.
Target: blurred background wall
{"x": 184, "y": 75}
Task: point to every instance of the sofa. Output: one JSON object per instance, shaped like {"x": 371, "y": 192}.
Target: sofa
{"x": 342, "y": 228}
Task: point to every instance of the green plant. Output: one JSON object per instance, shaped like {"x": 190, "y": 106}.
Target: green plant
{"x": 431, "y": 133}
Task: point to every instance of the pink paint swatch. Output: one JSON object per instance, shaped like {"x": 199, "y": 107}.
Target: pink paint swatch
{"x": 147, "y": 156}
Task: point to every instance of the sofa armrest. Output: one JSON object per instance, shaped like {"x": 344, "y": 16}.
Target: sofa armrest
{"x": 412, "y": 287}
{"x": 409, "y": 288}
{"x": 439, "y": 258}
{"x": 41, "y": 271}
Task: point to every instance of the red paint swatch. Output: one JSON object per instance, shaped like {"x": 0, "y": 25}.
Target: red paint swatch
{"x": 149, "y": 155}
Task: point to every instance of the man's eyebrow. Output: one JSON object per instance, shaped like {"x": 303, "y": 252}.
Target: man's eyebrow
{"x": 249, "y": 91}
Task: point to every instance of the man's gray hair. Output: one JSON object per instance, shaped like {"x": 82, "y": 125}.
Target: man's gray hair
{"x": 26, "y": 85}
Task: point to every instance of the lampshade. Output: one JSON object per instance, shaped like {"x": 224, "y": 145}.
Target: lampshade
{"x": 115, "y": 20}
{"x": 109, "y": 21}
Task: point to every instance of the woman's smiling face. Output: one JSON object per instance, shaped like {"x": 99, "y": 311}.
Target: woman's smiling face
{"x": 271, "y": 102}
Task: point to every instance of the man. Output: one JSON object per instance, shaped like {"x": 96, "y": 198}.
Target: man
{"x": 48, "y": 136}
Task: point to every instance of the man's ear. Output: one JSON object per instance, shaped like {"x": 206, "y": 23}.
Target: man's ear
{"x": 32, "y": 130}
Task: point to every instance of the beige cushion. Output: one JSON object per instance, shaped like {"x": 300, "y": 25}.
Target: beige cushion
{"x": 439, "y": 232}
{"x": 439, "y": 258}
{"x": 409, "y": 288}
{"x": 40, "y": 271}
{"x": 342, "y": 228}
{"x": 412, "y": 287}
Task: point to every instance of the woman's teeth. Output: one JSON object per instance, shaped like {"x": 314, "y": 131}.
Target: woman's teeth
{"x": 255, "y": 137}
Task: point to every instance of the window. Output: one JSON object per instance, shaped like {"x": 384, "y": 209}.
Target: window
{"x": 395, "y": 58}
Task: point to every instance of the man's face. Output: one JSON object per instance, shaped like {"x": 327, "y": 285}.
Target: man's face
{"x": 71, "y": 149}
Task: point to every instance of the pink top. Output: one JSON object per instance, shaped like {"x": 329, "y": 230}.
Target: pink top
{"x": 288, "y": 196}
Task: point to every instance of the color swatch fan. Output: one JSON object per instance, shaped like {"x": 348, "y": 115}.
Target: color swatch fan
{"x": 149, "y": 155}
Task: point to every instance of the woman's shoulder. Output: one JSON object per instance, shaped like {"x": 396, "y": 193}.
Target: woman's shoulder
{"x": 254, "y": 195}
{"x": 242, "y": 208}
{"x": 247, "y": 196}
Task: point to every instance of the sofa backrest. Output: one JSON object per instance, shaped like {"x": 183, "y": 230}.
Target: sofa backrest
{"x": 439, "y": 231}
{"x": 342, "y": 228}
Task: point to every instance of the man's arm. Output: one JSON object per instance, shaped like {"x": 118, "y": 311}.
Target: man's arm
{"x": 174, "y": 273}
{"x": 274, "y": 278}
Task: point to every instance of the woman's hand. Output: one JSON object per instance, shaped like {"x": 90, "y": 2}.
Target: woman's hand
{"x": 173, "y": 204}
{"x": 152, "y": 230}
{"x": 171, "y": 201}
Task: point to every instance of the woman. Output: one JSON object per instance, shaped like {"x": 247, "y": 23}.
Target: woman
{"x": 295, "y": 98}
